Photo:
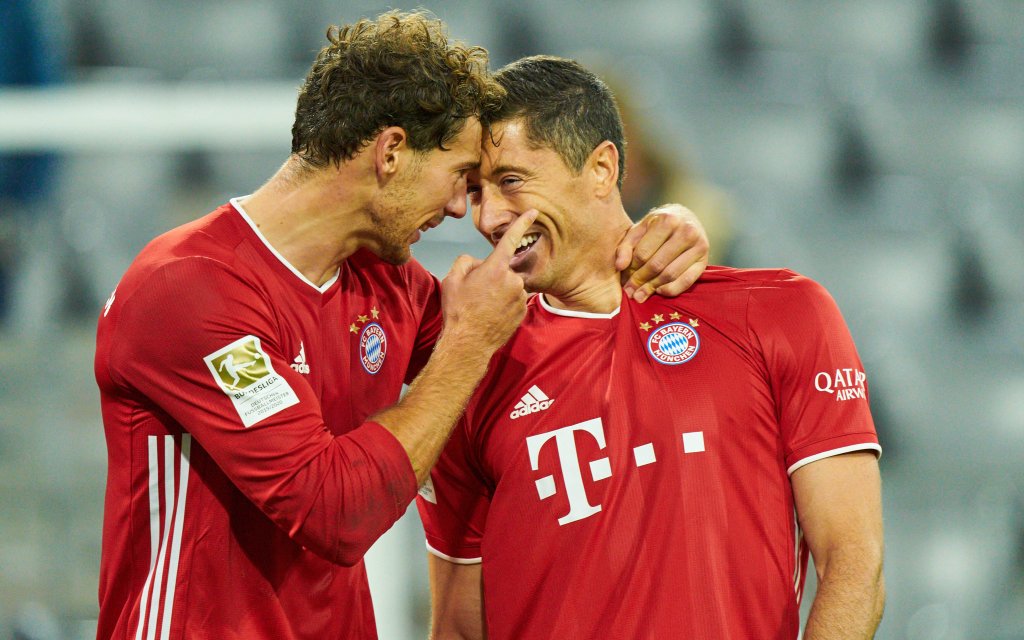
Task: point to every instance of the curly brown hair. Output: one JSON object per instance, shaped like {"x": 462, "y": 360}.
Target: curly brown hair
{"x": 396, "y": 70}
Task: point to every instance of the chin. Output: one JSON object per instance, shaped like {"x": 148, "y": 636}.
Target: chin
{"x": 536, "y": 282}
{"x": 395, "y": 255}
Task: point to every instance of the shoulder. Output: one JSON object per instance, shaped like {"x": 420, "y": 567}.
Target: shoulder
{"x": 762, "y": 285}
{"x": 193, "y": 267}
{"x": 736, "y": 278}
{"x": 183, "y": 266}
{"x": 788, "y": 291}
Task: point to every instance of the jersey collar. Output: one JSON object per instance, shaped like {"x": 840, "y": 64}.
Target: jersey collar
{"x": 576, "y": 314}
{"x": 236, "y": 203}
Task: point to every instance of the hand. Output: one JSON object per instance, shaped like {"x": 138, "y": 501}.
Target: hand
{"x": 484, "y": 301}
{"x": 664, "y": 253}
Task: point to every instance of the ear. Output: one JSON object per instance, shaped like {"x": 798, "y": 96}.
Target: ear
{"x": 388, "y": 148}
{"x": 603, "y": 167}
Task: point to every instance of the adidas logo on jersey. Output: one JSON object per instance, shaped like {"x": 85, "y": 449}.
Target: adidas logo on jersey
{"x": 533, "y": 401}
{"x": 300, "y": 364}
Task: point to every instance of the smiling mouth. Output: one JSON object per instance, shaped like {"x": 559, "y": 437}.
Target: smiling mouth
{"x": 430, "y": 224}
{"x": 527, "y": 242}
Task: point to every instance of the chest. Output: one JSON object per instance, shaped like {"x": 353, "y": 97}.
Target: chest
{"x": 353, "y": 351}
{"x": 636, "y": 409}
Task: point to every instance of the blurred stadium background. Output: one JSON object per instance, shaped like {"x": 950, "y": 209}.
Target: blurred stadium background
{"x": 874, "y": 145}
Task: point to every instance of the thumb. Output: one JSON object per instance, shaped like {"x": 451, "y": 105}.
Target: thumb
{"x": 462, "y": 266}
{"x": 624, "y": 252}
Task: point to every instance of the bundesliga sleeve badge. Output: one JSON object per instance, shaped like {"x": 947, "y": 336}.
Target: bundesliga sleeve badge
{"x": 673, "y": 343}
{"x": 244, "y": 372}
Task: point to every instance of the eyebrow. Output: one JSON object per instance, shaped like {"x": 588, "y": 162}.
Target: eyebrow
{"x": 468, "y": 166}
{"x": 510, "y": 168}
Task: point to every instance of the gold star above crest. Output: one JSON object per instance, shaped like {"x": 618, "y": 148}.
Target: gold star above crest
{"x": 645, "y": 326}
{"x": 375, "y": 312}
{"x": 363, "y": 318}
{"x": 658, "y": 318}
{"x": 353, "y": 328}
{"x": 694, "y": 323}
{"x": 674, "y": 315}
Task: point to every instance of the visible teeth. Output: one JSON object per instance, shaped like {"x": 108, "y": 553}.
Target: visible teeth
{"x": 528, "y": 240}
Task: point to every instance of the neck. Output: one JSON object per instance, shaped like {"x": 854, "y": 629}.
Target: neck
{"x": 314, "y": 220}
{"x": 601, "y": 296}
{"x": 597, "y": 287}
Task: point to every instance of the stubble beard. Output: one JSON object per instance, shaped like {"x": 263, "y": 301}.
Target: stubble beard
{"x": 394, "y": 241}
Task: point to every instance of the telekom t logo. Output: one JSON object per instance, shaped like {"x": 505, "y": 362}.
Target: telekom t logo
{"x": 572, "y": 474}
{"x": 600, "y": 469}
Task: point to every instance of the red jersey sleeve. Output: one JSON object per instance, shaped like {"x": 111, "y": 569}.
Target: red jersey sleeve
{"x": 425, "y": 290}
{"x": 817, "y": 379}
{"x": 453, "y": 504}
{"x": 199, "y": 342}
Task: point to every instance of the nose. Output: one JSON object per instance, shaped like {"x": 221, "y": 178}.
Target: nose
{"x": 492, "y": 214}
{"x": 457, "y": 207}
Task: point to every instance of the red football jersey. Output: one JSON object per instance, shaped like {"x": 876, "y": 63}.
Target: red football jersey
{"x": 244, "y": 484}
{"x": 627, "y": 475}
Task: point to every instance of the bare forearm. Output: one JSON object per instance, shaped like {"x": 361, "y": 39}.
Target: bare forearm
{"x": 423, "y": 419}
{"x": 456, "y": 601}
{"x": 849, "y": 601}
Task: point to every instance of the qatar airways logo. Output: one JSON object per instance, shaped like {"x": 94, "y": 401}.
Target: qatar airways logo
{"x": 845, "y": 384}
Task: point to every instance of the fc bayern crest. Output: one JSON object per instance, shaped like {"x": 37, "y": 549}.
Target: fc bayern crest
{"x": 373, "y": 346}
{"x": 673, "y": 343}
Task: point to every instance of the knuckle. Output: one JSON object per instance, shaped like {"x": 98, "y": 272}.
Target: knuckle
{"x": 666, "y": 277}
{"x": 694, "y": 233}
{"x": 690, "y": 231}
{"x": 657, "y": 265}
{"x": 662, "y": 220}
{"x": 641, "y": 255}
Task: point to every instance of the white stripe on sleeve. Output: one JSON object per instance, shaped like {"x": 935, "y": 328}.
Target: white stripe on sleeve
{"x": 154, "y": 529}
{"x": 179, "y": 521}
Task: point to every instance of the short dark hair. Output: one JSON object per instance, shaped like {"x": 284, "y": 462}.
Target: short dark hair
{"x": 396, "y": 70}
{"x": 564, "y": 106}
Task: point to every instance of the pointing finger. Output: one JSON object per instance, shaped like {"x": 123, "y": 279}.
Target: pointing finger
{"x": 506, "y": 247}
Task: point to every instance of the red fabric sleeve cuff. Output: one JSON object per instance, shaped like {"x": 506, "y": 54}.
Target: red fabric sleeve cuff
{"x": 389, "y": 454}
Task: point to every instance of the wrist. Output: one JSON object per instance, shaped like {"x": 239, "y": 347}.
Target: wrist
{"x": 467, "y": 348}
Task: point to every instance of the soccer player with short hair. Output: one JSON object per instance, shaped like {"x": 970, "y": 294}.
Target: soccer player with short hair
{"x": 247, "y": 360}
{"x": 655, "y": 470}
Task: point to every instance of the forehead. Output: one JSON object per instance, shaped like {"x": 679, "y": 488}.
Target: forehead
{"x": 466, "y": 145}
{"x": 507, "y": 143}
{"x": 460, "y": 153}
